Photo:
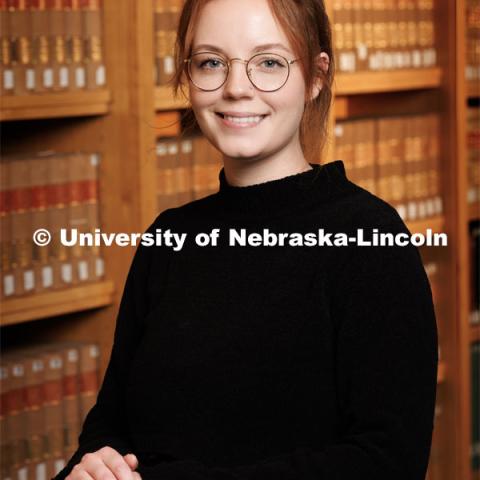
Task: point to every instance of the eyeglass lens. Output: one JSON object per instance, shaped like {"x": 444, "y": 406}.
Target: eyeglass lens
{"x": 267, "y": 71}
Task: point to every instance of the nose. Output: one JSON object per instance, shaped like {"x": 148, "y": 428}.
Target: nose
{"x": 238, "y": 84}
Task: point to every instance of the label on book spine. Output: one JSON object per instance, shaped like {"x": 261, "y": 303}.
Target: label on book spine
{"x": 100, "y": 77}
{"x": 47, "y": 276}
{"x": 28, "y": 280}
{"x": 80, "y": 77}
{"x": 8, "y": 285}
{"x": 8, "y": 80}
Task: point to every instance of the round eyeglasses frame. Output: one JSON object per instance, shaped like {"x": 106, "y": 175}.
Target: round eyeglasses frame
{"x": 245, "y": 62}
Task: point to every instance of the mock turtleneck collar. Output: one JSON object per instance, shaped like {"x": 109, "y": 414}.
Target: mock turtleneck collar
{"x": 283, "y": 194}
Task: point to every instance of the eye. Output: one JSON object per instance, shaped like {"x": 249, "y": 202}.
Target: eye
{"x": 208, "y": 62}
{"x": 270, "y": 62}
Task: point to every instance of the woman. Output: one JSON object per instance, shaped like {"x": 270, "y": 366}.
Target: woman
{"x": 267, "y": 362}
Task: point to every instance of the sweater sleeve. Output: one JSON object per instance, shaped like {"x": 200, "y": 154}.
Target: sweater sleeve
{"x": 106, "y": 423}
{"x": 386, "y": 348}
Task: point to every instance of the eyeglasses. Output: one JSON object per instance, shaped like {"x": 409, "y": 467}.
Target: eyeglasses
{"x": 267, "y": 72}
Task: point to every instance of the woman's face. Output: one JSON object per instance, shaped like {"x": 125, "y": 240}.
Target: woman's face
{"x": 237, "y": 28}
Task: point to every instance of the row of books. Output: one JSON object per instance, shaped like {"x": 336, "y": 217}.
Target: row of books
{"x": 46, "y": 392}
{"x": 50, "y": 45}
{"x": 384, "y": 34}
{"x": 396, "y": 158}
{"x": 473, "y": 151}
{"x": 166, "y": 14}
{"x": 187, "y": 169}
{"x": 472, "y": 29}
{"x": 368, "y": 35}
{"x": 475, "y": 372}
{"x": 50, "y": 191}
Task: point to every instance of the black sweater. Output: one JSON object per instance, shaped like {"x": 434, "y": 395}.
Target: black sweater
{"x": 283, "y": 362}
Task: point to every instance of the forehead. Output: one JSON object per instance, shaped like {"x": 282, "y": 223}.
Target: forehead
{"x": 239, "y": 27}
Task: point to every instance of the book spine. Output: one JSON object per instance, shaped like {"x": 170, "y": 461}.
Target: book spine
{"x": 92, "y": 34}
{"x": 53, "y": 409}
{"x": 40, "y": 47}
{"x": 89, "y": 377}
{"x": 58, "y": 70}
{"x": 39, "y": 200}
{"x": 75, "y": 58}
{"x": 7, "y": 81}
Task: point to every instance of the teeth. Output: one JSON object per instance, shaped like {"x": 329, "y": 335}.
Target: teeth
{"x": 242, "y": 120}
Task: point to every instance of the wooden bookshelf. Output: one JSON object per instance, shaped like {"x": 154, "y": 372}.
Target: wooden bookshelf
{"x": 164, "y": 100}
{"x": 55, "y": 105}
{"x": 474, "y": 211}
{"x": 473, "y": 88}
{"x": 436, "y": 224}
{"x": 50, "y": 304}
{"x": 388, "y": 81}
{"x": 475, "y": 333}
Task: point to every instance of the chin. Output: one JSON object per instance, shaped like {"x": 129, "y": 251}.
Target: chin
{"x": 240, "y": 151}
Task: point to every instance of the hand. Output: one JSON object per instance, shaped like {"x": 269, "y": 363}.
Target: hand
{"x": 105, "y": 464}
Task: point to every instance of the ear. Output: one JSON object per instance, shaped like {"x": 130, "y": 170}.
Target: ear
{"x": 322, "y": 62}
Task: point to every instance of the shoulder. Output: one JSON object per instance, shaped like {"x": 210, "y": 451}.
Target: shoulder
{"x": 185, "y": 215}
{"x": 359, "y": 208}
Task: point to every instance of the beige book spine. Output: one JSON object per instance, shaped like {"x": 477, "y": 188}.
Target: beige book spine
{"x": 7, "y": 285}
{"x": 92, "y": 34}
{"x": 6, "y": 448}
{"x": 7, "y": 81}
{"x": 39, "y": 200}
{"x": 19, "y": 181}
{"x": 34, "y": 374}
{"x": 16, "y": 424}
{"x": 71, "y": 398}
{"x": 41, "y": 51}
{"x": 364, "y": 154}
{"x": 384, "y": 178}
{"x": 20, "y": 28}
{"x": 377, "y": 53}
{"x": 53, "y": 408}
{"x": 397, "y": 150}
{"x": 94, "y": 254}
{"x": 60, "y": 72}
{"x": 58, "y": 219}
{"x": 89, "y": 377}
{"x": 75, "y": 58}
{"x": 77, "y": 216}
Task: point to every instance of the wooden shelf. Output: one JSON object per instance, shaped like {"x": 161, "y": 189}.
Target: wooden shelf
{"x": 391, "y": 81}
{"x": 475, "y": 333}
{"x": 474, "y": 211}
{"x": 441, "y": 372}
{"x": 437, "y": 224}
{"x": 473, "y": 88}
{"x": 164, "y": 100}
{"x": 55, "y": 105}
{"x": 49, "y": 304}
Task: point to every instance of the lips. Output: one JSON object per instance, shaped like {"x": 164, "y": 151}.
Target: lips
{"x": 241, "y": 115}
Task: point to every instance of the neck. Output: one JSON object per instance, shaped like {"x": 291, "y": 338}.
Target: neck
{"x": 242, "y": 172}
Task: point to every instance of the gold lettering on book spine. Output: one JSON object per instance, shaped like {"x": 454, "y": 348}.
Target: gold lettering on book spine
{"x": 93, "y": 49}
{"x": 6, "y": 57}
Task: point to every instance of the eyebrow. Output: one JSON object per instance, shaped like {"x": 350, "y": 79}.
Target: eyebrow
{"x": 258, "y": 48}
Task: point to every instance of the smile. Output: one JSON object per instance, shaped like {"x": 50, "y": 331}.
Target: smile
{"x": 240, "y": 122}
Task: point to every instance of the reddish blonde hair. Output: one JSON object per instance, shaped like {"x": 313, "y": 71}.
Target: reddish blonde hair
{"x": 308, "y": 29}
